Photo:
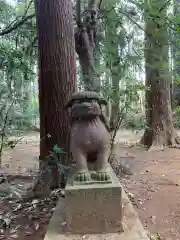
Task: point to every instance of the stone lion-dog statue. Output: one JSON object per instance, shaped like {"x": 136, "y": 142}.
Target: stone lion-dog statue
{"x": 89, "y": 137}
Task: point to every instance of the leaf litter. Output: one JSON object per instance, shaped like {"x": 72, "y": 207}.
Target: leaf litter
{"x": 18, "y": 217}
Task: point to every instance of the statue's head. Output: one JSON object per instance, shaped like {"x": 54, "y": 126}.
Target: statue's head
{"x": 86, "y": 104}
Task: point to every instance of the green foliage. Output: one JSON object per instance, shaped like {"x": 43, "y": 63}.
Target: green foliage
{"x": 57, "y": 149}
{"x": 17, "y": 64}
{"x": 56, "y": 160}
{"x": 122, "y": 56}
{"x": 176, "y": 117}
{"x": 135, "y": 120}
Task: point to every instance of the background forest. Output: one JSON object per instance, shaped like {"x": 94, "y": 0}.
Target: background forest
{"x": 126, "y": 50}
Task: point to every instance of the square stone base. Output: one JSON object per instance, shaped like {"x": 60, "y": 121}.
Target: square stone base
{"x": 133, "y": 229}
{"x": 93, "y": 208}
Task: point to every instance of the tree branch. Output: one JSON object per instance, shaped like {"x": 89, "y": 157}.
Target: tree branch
{"x": 78, "y": 13}
{"x": 17, "y": 24}
{"x": 100, "y": 2}
{"x": 29, "y": 5}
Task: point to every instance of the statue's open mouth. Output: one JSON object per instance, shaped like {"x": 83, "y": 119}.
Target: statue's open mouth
{"x": 87, "y": 109}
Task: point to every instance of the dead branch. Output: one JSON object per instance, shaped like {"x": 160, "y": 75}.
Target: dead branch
{"x": 118, "y": 124}
{"x": 29, "y": 5}
{"x": 100, "y": 2}
{"x": 16, "y": 23}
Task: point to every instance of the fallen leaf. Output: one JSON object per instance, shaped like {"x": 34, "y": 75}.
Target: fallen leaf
{"x": 35, "y": 201}
{"x": 5, "y": 222}
{"x": 36, "y": 225}
{"x": 13, "y": 231}
{"x": 153, "y": 219}
{"x": 140, "y": 201}
{"x": 17, "y": 227}
{"x": 14, "y": 236}
{"x": 131, "y": 195}
{"x": 28, "y": 233}
{"x": 63, "y": 223}
{"x": 19, "y": 206}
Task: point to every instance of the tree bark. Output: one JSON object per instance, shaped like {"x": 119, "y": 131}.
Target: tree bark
{"x": 176, "y": 57}
{"x": 86, "y": 41}
{"x": 160, "y": 131}
{"x": 57, "y": 74}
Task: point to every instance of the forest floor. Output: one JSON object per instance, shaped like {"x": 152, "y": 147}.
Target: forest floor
{"x": 154, "y": 189}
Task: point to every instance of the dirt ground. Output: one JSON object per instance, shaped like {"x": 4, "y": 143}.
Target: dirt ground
{"x": 154, "y": 189}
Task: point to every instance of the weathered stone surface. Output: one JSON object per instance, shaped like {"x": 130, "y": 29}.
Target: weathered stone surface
{"x": 133, "y": 229}
{"x": 94, "y": 208}
{"x": 89, "y": 137}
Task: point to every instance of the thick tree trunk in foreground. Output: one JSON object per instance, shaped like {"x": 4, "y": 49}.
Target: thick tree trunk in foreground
{"x": 160, "y": 130}
{"x": 57, "y": 70}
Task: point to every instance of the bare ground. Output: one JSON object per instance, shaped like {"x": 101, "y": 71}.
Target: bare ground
{"x": 154, "y": 188}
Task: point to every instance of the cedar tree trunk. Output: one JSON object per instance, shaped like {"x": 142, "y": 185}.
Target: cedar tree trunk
{"x": 160, "y": 131}
{"x": 176, "y": 56}
{"x": 86, "y": 42}
{"x": 57, "y": 70}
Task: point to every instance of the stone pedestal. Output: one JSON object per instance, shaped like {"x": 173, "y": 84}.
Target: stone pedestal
{"x": 93, "y": 208}
{"x": 133, "y": 229}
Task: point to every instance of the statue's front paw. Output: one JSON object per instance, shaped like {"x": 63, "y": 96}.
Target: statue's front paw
{"x": 102, "y": 175}
{"x": 83, "y": 176}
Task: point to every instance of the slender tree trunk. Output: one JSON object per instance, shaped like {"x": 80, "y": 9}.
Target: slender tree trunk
{"x": 115, "y": 109}
{"x": 113, "y": 62}
{"x": 160, "y": 131}
{"x": 57, "y": 74}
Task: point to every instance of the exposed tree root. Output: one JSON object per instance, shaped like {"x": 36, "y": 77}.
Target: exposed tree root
{"x": 158, "y": 141}
{"x": 156, "y": 148}
{"x": 49, "y": 178}
{"x": 42, "y": 185}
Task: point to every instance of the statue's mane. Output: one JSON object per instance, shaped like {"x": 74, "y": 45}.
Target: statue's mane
{"x": 86, "y": 95}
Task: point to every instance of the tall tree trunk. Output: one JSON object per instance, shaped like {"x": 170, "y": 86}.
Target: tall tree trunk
{"x": 115, "y": 108}
{"x": 160, "y": 130}
{"x": 176, "y": 56}
{"x": 113, "y": 62}
{"x": 86, "y": 42}
{"x": 57, "y": 73}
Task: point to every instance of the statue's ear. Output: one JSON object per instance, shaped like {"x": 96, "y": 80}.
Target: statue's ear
{"x": 103, "y": 101}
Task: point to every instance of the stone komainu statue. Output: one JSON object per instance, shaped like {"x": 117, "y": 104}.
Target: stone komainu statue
{"x": 89, "y": 138}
